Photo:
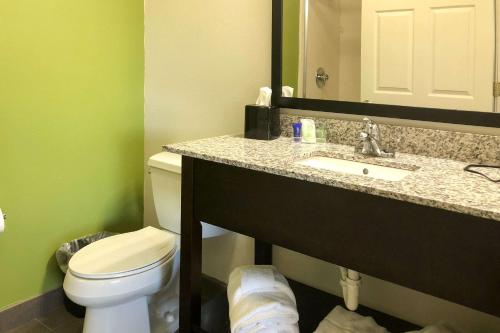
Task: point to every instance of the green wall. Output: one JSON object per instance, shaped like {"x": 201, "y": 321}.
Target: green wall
{"x": 71, "y": 131}
{"x": 291, "y": 24}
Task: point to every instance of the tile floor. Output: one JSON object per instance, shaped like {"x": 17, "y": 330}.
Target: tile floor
{"x": 59, "y": 320}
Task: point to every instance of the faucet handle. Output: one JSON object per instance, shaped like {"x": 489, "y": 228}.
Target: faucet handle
{"x": 368, "y": 125}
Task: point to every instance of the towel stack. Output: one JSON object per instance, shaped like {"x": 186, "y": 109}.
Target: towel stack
{"x": 339, "y": 320}
{"x": 261, "y": 301}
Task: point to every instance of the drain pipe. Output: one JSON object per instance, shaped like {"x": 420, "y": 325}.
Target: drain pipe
{"x": 350, "y": 282}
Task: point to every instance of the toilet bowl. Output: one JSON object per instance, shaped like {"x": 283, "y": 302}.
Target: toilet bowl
{"x": 114, "y": 277}
{"x": 129, "y": 283}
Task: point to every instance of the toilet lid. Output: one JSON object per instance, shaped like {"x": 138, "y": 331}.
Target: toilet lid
{"x": 123, "y": 255}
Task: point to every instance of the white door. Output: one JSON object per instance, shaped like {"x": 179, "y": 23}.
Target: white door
{"x": 428, "y": 53}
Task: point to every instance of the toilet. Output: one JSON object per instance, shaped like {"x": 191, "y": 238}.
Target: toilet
{"x": 129, "y": 282}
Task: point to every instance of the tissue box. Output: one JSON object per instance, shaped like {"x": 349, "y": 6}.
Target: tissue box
{"x": 262, "y": 122}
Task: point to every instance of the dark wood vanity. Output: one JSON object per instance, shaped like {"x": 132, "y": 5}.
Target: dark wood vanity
{"x": 450, "y": 255}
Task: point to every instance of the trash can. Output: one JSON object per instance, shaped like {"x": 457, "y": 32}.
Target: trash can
{"x": 64, "y": 254}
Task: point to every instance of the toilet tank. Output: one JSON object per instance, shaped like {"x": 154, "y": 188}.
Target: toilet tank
{"x": 165, "y": 170}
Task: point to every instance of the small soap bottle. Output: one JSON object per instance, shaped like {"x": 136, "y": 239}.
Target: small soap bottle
{"x": 308, "y": 131}
{"x": 297, "y": 132}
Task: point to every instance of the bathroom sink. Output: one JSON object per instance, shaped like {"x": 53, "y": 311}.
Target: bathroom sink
{"x": 355, "y": 168}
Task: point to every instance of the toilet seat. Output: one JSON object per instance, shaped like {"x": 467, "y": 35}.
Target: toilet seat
{"x": 123, "y": 255}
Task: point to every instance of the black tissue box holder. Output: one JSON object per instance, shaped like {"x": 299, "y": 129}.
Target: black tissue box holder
{"x": 262, "y": 122}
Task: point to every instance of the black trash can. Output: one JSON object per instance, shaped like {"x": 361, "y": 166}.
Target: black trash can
{"x": 64, "y": 254}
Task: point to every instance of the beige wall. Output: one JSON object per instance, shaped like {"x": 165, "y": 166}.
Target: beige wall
{"x": 334, "y": 43}
{"x": 204, "y": 61}
{"x": 350, "y": 50}
{"x": 323, "y": 48}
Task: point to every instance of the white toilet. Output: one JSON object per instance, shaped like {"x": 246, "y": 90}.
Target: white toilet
{"x": 125, "y": 280}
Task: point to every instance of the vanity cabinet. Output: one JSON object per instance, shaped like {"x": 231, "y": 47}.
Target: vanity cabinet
{"x": 447, "y": 254}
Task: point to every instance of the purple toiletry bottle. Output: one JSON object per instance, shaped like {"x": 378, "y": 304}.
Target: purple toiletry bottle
{"x": 297, "y": 132}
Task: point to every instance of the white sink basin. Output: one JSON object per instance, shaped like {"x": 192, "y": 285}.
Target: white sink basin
{"x": 355, "y": 168}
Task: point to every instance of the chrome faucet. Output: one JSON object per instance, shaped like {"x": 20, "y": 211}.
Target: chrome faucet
{"x": 371, "y": 141}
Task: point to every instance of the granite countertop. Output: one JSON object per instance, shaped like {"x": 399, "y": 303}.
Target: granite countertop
{"x": 434, "y": 182}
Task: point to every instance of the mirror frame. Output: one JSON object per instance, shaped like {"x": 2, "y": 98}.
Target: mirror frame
{"x": 474, "y": 118}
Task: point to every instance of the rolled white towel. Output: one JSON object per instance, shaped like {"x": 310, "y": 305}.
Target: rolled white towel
{"x": 247, "y": 280}
{"x": 264, "y": 312}
{"x": 260, "y": 300}
{"x": 440, "y": 327}
{"x": 340, "y": 320}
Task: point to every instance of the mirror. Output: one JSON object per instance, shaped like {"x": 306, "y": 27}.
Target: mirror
{"x": 436, "y": 54}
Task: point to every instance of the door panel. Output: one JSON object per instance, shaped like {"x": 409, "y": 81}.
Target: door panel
{"x": 453, "y": 51}
{"x": 394, "y": 52}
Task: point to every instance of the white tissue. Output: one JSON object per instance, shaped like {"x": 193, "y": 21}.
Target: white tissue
{"x": 2, "y": 222}
{"x": 286, "y": 91}
{"x": 264, "y": 96}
